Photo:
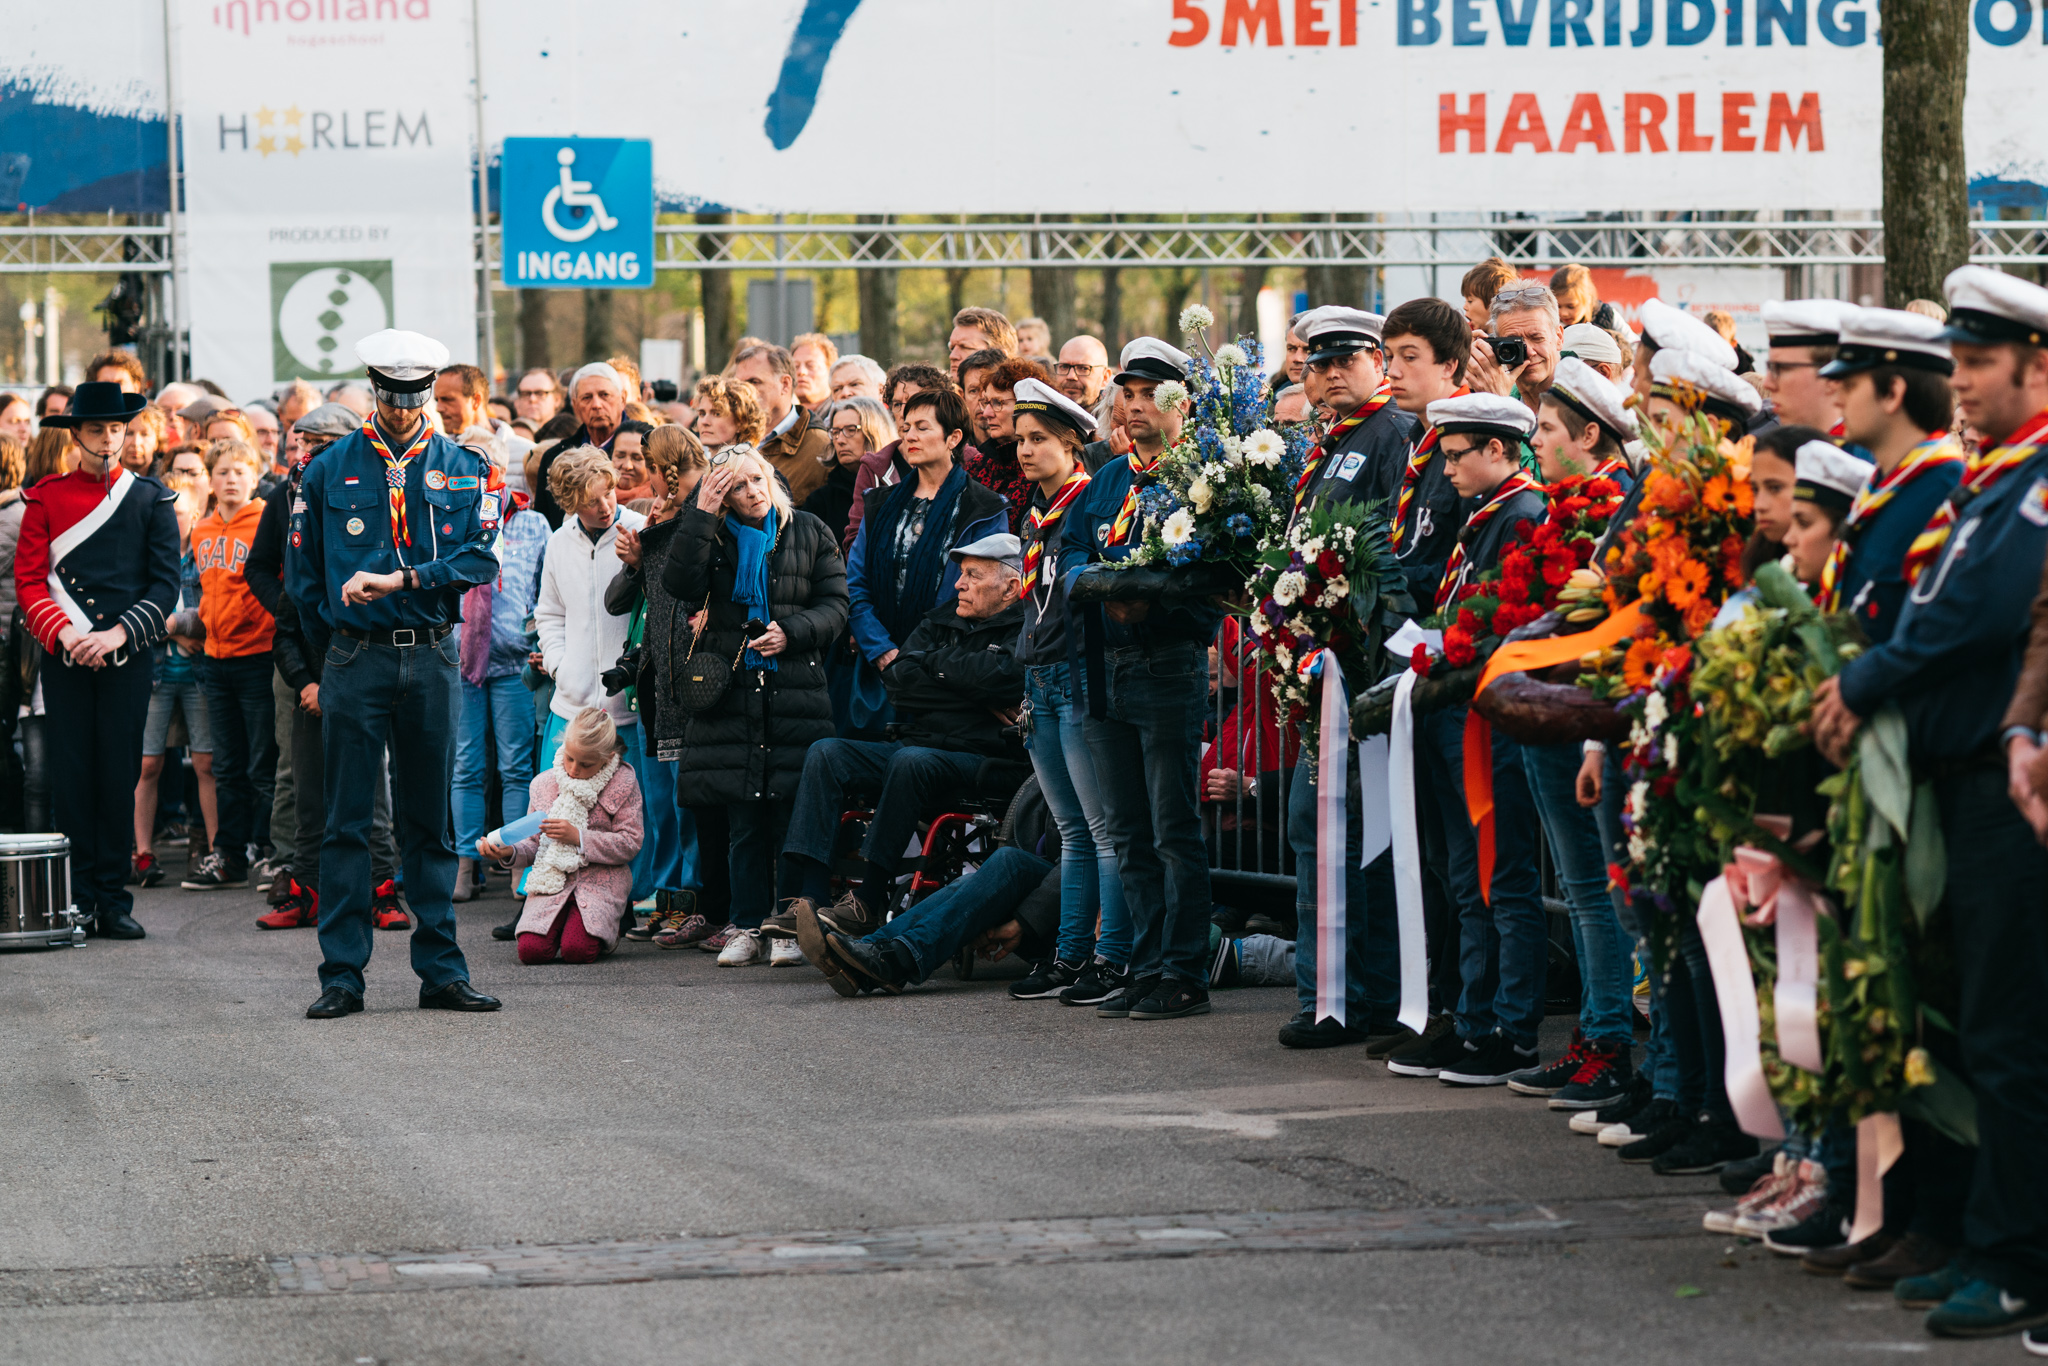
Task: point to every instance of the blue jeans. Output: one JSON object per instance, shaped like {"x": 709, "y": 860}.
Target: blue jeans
{"x": 1503, "y": 950}
{"x": 1660, "y": 1063}
{"x": 1147, "y": 752}
{"x": 1090, "y": 886}
{"x": 670, "y": 829}
{"x": 935, "y": 929}
{"x": 239, "y": 711}
{"x": 371, "y": 695}
{"x": 500, "y": 710}
{"x": 1607, "y": 982}
{"x": 911, "y": 781}
{"x": 1372, "y": 926}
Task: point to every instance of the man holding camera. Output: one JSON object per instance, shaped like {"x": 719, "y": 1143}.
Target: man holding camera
{"x": 1519, "y": 357}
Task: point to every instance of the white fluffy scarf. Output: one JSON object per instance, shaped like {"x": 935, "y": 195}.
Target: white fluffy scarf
{"x": 573, "y": 799}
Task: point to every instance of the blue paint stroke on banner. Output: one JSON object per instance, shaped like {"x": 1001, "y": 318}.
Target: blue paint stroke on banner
{"x": 803, "y": 70}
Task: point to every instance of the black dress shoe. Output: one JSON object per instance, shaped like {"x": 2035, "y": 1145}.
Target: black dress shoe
{"x": 120, "y": 925}
{"x": 457, "y": 995}
{"x": 509, "y": 930}
{"x": 334, "y": 1003}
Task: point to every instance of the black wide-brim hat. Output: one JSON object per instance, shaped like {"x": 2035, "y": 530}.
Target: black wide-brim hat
{"x": 98, "y": 401}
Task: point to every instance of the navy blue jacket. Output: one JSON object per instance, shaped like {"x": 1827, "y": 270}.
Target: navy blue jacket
{"x": 1954, "y": 657}
{"x": 1873, "y": 585}
{"x": 341, "y": 523}
{"x": 1084, "y": 540}
{"x": 1368, "y": 463}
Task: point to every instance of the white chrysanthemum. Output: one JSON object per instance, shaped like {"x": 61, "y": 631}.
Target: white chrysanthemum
{"x": 1172, "y": 396}
{"x": 1655, "y": 713}
{"x": 1264, "y": 447}
{"x": 1262, "y": 493}
{"x": 1671, "y": 751}
{"x": 1288, "y": 587}
{"x": 1233, "y": 452}
{"x": 1201, "y": 495}
{"x": 1194, "y": 318}
{"x": 1230, "y": 353}
{"x": 1179, "y": 528}
{"x": 1284, "y": 657}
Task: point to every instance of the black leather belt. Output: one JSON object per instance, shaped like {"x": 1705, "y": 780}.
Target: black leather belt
{"x": 403, "y": 637}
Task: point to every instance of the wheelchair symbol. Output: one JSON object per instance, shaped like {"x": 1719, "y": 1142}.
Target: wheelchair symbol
{"x": 576, "y": 195}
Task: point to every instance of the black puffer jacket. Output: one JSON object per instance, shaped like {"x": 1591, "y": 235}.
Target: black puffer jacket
{"x": 750, "y": 746}
{"x": 950, "y": 673}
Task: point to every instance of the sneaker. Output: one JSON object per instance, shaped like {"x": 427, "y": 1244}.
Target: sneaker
{"x": 785, "y": 953}
{"x": 172, "y": 835}
{"x": 1641, "y": 1124}
{"x": 1306, "y": 1031}
{"x": 1045, "y": 981}
{"x": 2035, "y": 1340}
{"x": 1496, "y": 1059}
{"x": 213, "y": 873}
{"x": 682, "y": 932}
{"x": 1555, "y": 1077}
{"x": 147, "y": 872}
{"x": 1838, "y": 1261}
{"x": 741, "y": 948}
{"x": 1603, "y": 1077}
{"x": 385, "y": 912}
{"x": 1924, "y": 1292}
{"x": 1708, "y": 1148}
{"x": 1799, "y": 1200}
{"x": 716, "y": 941}
{"x": 265, "y": 871}
{"x": 1117, "y": 1005}
{"x": 1983, "y": 1310}
{"x": 1634, "y": 1098}
{"x": 1740, "y": 1178}
{"x": 1383, "y": 1046}
{"x": 855, "y": 965}
{"x": 1675, "y": 1129}
{"x": 1100, "y": 980}
{"x": 1428, "y": 1057}
{"x": 1172, "y": 1000}
{"x": 300, "y": 910}
{"x": 508, "y": 931}
{"x": 1224, "y": 970}
{"x": 1768, "y": 1188}
{"x": 1827, "y": 1226}
{"x": 782, "y": 925}
{"x": 1916, "y": 1254}
{"x": 849, "y": 917}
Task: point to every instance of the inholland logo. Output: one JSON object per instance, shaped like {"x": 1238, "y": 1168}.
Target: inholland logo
{"x": 317, "y": 308}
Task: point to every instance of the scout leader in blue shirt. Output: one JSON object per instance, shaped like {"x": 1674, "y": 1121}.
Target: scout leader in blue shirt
{"x": 392, "y": 524}
{"x": 1951, "y": 665}
{"x": 1891, "y": 368}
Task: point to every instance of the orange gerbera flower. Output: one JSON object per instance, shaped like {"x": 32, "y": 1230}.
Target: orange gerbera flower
{"x": 1639, "y": 665}
{"x": 1686, "y": 585}
{"x": 1718, "y": 494}
{"x": 1700, "y": 616}
{"x": 1745, "y": 499}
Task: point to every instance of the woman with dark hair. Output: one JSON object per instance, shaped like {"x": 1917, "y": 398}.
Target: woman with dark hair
{"x": 901, "y": 565}
{"x": 996, "y": 466}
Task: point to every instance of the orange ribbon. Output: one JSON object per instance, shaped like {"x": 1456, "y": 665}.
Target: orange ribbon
{"x": 1521, "y": 657}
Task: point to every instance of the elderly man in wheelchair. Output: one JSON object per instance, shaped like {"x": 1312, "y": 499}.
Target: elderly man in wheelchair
{"x": 956, "y": 685}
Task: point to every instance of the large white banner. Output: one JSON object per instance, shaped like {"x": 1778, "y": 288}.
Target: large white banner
{"x": 1278, "y": 106}
{"x": 327, "y": 182}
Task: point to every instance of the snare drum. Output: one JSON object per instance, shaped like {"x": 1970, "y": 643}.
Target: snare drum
{"x": 35, "y": 893}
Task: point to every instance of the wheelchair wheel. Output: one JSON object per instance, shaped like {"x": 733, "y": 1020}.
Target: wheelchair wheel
{"x": 1027, "y": 823}
{"x": 963, "y": 965}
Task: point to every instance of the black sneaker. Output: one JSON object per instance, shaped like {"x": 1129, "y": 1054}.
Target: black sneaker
{"x": 1117, "y": 1005}
{"x": 1306, "y": 1031}
{"x": 1096, "y": 984}
{"x": 1496, "y": 1060}
{"x": 1712, "y": 1145}
{"x": 215, "y": 872}
{"x": 1662, "y": 1139}
{"x": 2035, "y": 1340}
{"x": 1739, "y": 1178}
{"x": 1628, "y": 1103}
{"x": 1224, "y": 970}
{"x": 1380, "y": 1047}
{"x": 1603, "y": 1078}
{"x": 1641, "y": 1123}
{"x": 1172, "y": 1000}
{"x": 1550, "y": 1080}
{"x": 1045, "y": 981}
{"x": 1826, "y": 1227}
{"x": 1436, "y": 1048}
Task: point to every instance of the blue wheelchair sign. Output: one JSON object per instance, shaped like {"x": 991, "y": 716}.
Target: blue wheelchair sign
{"x": 577, "y": 213}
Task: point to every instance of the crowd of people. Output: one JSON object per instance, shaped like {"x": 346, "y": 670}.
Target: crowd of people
{"x": 717, "y": 666}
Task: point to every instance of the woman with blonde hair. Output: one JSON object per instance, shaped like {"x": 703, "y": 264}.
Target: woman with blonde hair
{"x": 728, "y": 413}
{"x": 581, "y": 884}
{"x": 772, "y": 589}
{"x": 145, "y": 441}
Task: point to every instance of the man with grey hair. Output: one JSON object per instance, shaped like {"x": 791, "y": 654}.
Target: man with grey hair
{"x": 597, "y": 395}
{"x": 1290, "y": 406}
{"x": 857, "y": 377}
{"x": 1527, "y": 312}
{"x": 353, "y": 396}
{"x": 800, "y": 452}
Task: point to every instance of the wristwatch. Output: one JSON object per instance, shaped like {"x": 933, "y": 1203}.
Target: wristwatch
{"x": 2010, "y": 733}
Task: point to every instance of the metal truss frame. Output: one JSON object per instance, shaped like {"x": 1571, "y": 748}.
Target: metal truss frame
{"x": 71, "y": 250}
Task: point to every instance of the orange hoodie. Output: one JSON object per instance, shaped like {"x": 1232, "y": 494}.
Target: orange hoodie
{"x": 236, "y": 623}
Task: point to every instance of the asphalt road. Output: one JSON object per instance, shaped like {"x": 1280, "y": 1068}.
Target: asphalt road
{"x": 656, "y": 1159}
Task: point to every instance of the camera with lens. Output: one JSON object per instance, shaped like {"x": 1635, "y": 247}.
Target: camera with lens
{"x": 625, "y": 673}
{"x": 1511, "y": 352}
{"x": 665, "y": 391}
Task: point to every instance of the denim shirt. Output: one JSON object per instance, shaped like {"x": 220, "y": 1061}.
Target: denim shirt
{"x": 521, "y": 548}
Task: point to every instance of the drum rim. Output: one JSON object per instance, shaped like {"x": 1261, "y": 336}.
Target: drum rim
{"x": 33, "y": 844}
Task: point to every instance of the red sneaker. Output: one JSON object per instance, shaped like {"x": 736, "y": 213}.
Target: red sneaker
{"x": 385, "y": 912}
{"x": 147, "y": 871}
{"x": 297, "y": 911}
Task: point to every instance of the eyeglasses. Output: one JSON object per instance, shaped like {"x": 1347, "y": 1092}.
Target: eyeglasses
{"x": 1525, "y": 294}
{"x": 1066, "y": 371}
{"x": 1453, "y": 454}
{"x": 1777, "y": 368}
{"x": 534, "y": 393}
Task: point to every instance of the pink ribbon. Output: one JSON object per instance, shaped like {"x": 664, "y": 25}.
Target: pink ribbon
{"x": 1758, "y": 880}
{"x": 1741, "y": 1023}
{"x": 1879, "y": 1142}
{"x": 1333, "y": 776}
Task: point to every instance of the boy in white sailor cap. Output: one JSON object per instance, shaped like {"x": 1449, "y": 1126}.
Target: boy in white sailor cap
{"x": 1501, "y": 953}
{"x": 1673, "y": 329}
{"x": 1583, "y": 425}
{"x": 1683, "y": 380}
{"x": 1363, "y": 455}
{"x": 1953, "y": 662}
{"x": 1891, "y": 372}
{"x": 1803, "y": 337}
{"x": 392, "y": 524}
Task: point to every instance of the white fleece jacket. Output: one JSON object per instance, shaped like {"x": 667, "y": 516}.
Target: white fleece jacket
{"x": 579, "y": 640}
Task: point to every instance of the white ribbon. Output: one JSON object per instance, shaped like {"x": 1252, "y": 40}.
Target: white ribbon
{"x": 1741, "y": 1024}
{"x": 1407, "y": 856}
{"x": 1375, "y": 828}
{"x": 1879, "y": 1142}
{"x": 1333, "y": 775}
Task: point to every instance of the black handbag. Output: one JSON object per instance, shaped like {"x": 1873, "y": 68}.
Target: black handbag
{"x": 702, "y": 679}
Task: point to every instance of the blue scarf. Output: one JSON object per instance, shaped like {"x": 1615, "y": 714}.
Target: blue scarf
{"x": 750, "y": 575}
{"x": 900, "y": 613}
